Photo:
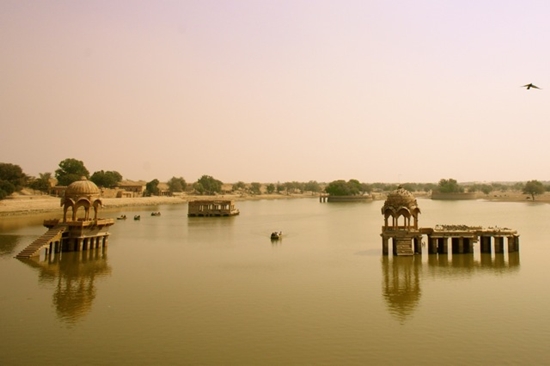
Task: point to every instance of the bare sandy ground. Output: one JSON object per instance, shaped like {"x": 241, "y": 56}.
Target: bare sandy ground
{"x": 25, "y": 205}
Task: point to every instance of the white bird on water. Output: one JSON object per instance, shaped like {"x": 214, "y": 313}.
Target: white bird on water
{"x": 529, "y": 86}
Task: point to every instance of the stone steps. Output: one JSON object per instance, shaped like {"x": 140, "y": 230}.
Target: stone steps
{"x": 33, "y": 249}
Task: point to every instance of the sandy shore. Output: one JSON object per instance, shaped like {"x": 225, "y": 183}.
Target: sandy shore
{"x": 26, "y": 205}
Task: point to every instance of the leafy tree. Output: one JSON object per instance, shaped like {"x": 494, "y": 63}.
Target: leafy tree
{"x": 42, "y": 183}
{"x": 428, "y": 187}
{"x": 208, "y": 185}
{"x": 449, "y": 186}
{"x": 177, "y": 184}
{"x": 109, "y": 179}
{"x": 312, "y": 186}
{"x": 486, "y": 188}
{"x": 6, "y": 188}
{"x": 343, "y": 188}
{"x": 533, "y": 187}
{"x": 355, "y": 186}
{"x": 151, "y": 188}
{"x": 255, "y": 188}
{"x": 70, "y": 170}
{"x": 366, "y": 188}
{"x": 239, "y": 186}
{"x": 14, "y": 175}
{"x": 293, "y": 187}
{"x": 337, "y": 188}
{"x": 270, "y": 188}
{"x": 516, "y": 186}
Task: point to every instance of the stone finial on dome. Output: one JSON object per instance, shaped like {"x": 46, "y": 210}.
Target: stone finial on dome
{"x": 82, "y": 187}
{"x": 400, "y": 198}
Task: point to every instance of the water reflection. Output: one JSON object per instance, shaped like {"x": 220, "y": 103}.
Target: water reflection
{"x": 464, "y": 265}
{"x": 402, "y": 276}
{"x": 401, "y": 284}
{"x": 8, "y": 244}
{"x": 74, "y": 274}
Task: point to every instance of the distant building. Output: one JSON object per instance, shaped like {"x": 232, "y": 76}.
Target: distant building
{"x": 135, "y": 189}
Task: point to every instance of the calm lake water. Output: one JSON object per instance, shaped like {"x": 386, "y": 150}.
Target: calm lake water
{"x": 174, "y": 290}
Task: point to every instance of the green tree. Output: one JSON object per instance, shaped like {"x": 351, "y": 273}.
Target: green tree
{"x": 255, "y": 188}
{"x": 151, "y": 188}
{"x": 239, "y": 186}
{"x": 270, "y": 188}
{"x": 6, "y": 188}
{"x": 208, "y": 185}
{"x": 343, "y": 188}
{"x": 70, "y": 170}
{"x": 449, "y": 186}
{"x": 177, "y": 184}
{"x": 486, "y": 188}
{"x": 366, "y": 188}
{"x": 42, "y": 183}
{"x": 108, "y": 179}
{"x": 533, "y": 187}
{"x": 312, "y": 186}
{"x": 14, "y": 175}
{"x": 293, "y": 187}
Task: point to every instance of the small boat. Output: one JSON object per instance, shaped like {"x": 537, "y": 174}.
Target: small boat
{"x": 155, "y": 213}
{"x": 121, "y": 217}
{"x": 137, "y": 217}
{"x": 276, "y": 235}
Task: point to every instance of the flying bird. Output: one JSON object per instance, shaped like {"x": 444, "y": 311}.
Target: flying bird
{"x": 530, "y": 85}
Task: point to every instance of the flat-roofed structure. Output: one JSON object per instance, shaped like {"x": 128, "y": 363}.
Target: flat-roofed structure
{"x": 401, "y": 229}
{"x": 207, "y": 208}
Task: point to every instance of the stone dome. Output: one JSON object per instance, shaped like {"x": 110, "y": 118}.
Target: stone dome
{"x": 82, "y": 187}
{"x": 400, "y": 198}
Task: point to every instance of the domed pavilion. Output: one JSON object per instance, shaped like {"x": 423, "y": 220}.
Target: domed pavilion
{"x": 78, "y": 232}
{"x": 401, "y": 212}
{"x": 82, "y": 193}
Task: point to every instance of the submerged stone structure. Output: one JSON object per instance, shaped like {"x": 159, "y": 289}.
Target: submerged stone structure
{"x": 401, "y": 228}
{"x": 401, "y": 212}
{"x": 78, "y": 230}
{"x": 209, "y": 208}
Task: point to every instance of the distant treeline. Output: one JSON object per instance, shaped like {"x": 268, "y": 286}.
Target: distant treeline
{"x": 13, "y": 179}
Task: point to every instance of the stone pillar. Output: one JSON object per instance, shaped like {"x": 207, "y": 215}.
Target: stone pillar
{"x": 513, "y": 244}
{"x": 468, "y": 245}
{"x": 442, "y": 246}
{"x": 458, "y": 245}
{"x": 499, "y": 244}
{"x": 418, "y": 245}
{"x": 384, "y": 245}
{"x": 432, "y": 245}
{"x": 485, "y": 244}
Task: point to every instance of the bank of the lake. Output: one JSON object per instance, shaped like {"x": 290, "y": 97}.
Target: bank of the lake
{"x": 36, "y": 204}
{"x": 28, "y": 205}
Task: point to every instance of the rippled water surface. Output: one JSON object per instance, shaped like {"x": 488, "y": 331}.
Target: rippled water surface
{"x": 179, "y": 290}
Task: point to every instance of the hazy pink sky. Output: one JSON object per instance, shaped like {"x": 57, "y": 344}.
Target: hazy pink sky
{"x": 267, "y": 91}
